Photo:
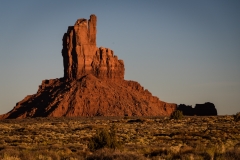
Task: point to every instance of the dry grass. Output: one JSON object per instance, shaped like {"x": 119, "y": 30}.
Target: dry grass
{"x": 141, "y": 138}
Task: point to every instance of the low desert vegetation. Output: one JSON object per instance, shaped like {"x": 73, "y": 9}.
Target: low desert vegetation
{"x": 237, "y": 117}
{"x": 177, "y": 114}
{"x": 104, "y": 139}
{"x": 110, "y": 138}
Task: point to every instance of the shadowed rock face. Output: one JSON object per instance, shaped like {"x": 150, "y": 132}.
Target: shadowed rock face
{"x": 93, "y": 84}
{"x": 186, "y": 110}
{"x": 206, "y": 109}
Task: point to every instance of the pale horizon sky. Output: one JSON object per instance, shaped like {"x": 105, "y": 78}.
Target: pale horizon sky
{"x": 183, "y": 52}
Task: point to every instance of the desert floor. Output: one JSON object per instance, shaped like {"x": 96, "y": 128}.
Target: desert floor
{"x": 216, "y": 137}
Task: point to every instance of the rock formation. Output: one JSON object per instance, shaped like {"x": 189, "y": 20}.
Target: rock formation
{"x": 81, "y": 55}
{"x": 186, "y": 110}
{"x": 206, "y": 109}
{"x": 93, "y": 84}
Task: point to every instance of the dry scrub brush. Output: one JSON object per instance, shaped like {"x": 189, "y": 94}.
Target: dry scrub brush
{"x": 104, "y": 138}
{"x": 237, "y": 117}
{"x": 177, "y": 115}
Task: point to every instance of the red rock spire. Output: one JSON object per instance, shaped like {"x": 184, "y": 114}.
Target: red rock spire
{"x": 81, "y": 55}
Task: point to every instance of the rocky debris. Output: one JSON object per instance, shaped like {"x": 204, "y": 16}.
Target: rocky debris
{"x": 206, "y": 109}
{"x": 93, "y": 84}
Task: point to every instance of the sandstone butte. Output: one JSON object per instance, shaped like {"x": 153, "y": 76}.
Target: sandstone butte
{"x": 93, "y": 84}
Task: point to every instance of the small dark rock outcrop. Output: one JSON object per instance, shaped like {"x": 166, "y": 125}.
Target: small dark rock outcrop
{"x": 206, "y": 109}
{"x": 186, "y": 110}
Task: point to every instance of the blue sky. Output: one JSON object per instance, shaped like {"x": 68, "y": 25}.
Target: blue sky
{"x": 181, "y": 51}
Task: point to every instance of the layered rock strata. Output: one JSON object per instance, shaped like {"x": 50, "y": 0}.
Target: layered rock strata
{"x": 93, "y": 84}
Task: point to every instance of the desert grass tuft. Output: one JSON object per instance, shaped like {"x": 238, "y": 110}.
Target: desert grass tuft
{"x": 104, "y": 138}
{"x": 237, "y": 117}
{"x": 177, "y": 114}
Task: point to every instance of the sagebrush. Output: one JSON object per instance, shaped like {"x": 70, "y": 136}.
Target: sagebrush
{"x": 237, "y": 117}
{"x": 177, "y": 115}
{"x": 104, "y": 138}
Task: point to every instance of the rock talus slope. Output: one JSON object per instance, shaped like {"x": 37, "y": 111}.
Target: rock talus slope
{"x": 93, "y": 84}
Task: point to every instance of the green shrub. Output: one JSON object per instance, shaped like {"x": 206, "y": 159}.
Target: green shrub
{"x": 237, "y": 117}
{"x": 176, "y": 115}
{"x": 104, "y": 138}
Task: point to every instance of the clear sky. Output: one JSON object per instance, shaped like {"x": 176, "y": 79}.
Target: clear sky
{"x": 185, "y": 52}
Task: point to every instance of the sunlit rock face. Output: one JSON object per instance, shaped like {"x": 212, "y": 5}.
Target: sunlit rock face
{"x": 81, "y": 56}
{"x": 93, "y": 84}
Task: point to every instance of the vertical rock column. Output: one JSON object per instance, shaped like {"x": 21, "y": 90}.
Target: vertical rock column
{"x": 92, "y": 29}
{"x": 110, "y": 67}
{"x": 67, "y": 53}
{"x": 79, "y": 47}
{"x": 81, "y": 55}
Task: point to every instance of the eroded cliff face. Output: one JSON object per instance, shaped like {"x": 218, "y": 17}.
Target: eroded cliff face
{"x": 81, "y": 55}
{"x": 93, "y": 84}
